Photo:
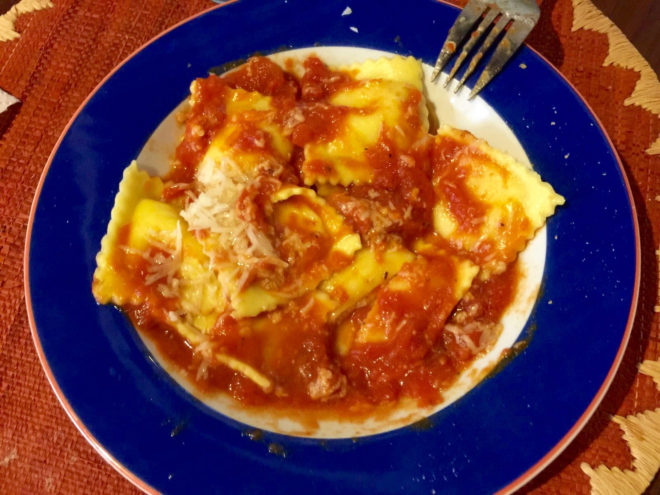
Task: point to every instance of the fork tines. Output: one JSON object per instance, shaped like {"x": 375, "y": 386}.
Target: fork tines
{"x": 519, "y": 15}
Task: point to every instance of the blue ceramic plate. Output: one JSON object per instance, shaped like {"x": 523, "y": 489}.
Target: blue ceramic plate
{"x": 494, "y": 438}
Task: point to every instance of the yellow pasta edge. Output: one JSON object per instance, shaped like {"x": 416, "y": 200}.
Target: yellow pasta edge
{"x": 132, "y": 188}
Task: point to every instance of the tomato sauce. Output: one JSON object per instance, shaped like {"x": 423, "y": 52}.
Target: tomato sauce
{"x": 413, "y": 320}
{"x": 295, "y": 345}
{"x": 488, "y": 299}
{"x": 321, "y": 123}
{"x": 415, "y": 364}
{"x": 319, "y": 81}
{"x": 252, "y": 139}
{"x": 447, "y": 157}
{"x": 404, "y": 181}
{"x": 206, "y": 116}
{"x": 262, "y": 75}
{"x": 255, "y": 199}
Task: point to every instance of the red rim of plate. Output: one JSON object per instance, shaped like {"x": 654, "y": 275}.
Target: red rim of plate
{"x": 141, "y": 484}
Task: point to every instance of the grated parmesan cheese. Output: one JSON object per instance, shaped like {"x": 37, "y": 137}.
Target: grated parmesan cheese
{"x": 214, "y": 211}
{"x": 307, "y": 307}
{"x": 163, "y": 265}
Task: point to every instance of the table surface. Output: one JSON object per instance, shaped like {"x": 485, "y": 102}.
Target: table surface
{"x": 641, "y": 25}
{"x": 64, "y": 51}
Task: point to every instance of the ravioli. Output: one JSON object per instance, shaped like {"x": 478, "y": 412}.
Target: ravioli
{"x": 411, "y": 308}
{"x": 222, "y": 121}
{"x": 148, "y": 244}
{"x": 306, "y": 240}
{"x": 369, "y": 269}
{"x": 316, "y": 242}
{"x": 108, "y": 285}
{"x": 489, "y": 206}
{"x": 250, "y": 135}
{"x": 386, "y": 322}
{"x": 384, "y": 104}
{"x": 402, "y": 69}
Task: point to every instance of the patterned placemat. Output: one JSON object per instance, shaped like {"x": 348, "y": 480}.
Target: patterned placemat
{"x": 54, "y": 54}
{"x": 8, "y": 19}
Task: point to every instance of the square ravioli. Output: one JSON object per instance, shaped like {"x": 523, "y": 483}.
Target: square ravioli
{"x": 488, "y": 205}
{"x": 148, "y": 257}
{"x": 380, "y": 106}
{"x": 222, "y": 121}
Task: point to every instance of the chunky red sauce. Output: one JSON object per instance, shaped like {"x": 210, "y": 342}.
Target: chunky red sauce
{"x": 295, "y": 345}
{"x": 447, "y": 158}
{"x": 260, "y": 74}
{"x": 319, "y": 81}
{"x": 381, "y": 370}
{"x": 321, "y": 122}
{"x": 421, "y": 362}
{"x": 205, "y": 118}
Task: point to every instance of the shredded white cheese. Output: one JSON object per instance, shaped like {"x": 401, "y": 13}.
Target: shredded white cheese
{"x": 215, "y": 211}
{"x": 165, "y": 266}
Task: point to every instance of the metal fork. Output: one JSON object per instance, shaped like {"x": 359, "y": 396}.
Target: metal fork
{"x": 519, "y": 15}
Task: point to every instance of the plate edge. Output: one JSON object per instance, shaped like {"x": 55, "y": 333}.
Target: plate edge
{"x": 577, "y": 427}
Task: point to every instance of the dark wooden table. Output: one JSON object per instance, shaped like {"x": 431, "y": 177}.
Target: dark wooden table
{"x": 640, "y": 22}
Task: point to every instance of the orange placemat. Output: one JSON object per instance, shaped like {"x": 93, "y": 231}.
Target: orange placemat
{"x": 64, "y": 50}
